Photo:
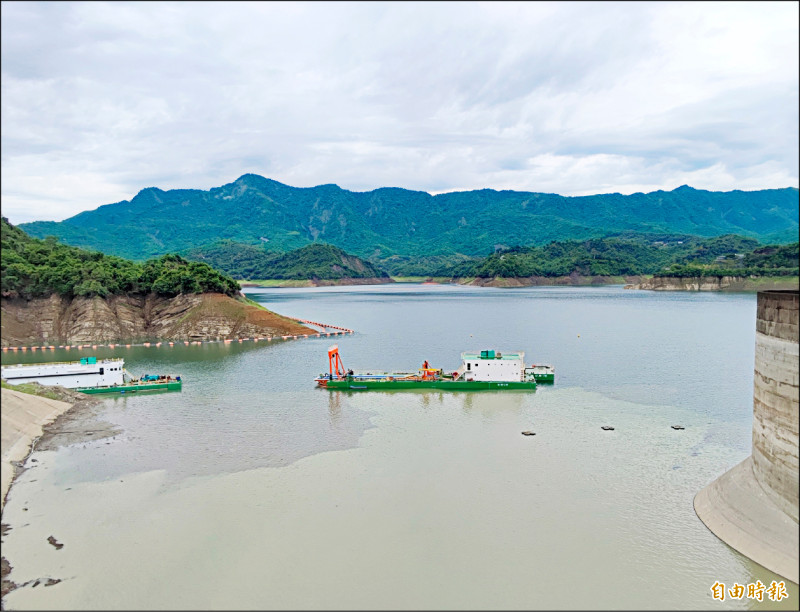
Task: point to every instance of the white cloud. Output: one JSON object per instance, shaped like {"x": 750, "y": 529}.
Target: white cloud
{"x": 102, "y": 99}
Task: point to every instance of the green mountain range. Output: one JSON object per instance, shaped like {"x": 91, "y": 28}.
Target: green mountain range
{"x": 410, "y": 225}
{"x": 315, "y": 261}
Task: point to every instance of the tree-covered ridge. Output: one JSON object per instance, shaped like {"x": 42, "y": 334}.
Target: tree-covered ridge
{"x": 315, "y": 261}
{"x": 665, "y": 255}
{"x": 405, "y": 265}
{"x": 390, "y": 221}
{"x": 33, "y": 268}
{"x": 770, "y": 260}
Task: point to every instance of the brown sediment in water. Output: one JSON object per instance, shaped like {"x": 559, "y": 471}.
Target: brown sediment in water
{"x": 5, "y": 569}
{"x": 6, "y": 585}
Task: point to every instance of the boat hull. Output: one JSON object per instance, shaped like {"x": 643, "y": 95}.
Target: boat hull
{"x": 488, "y": 370}
{"x": 133, "y": 388}
{"x": 443, "y": 385}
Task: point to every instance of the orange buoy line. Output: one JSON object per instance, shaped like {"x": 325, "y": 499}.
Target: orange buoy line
{"x": 343, "y": 331}
{"x": 325, "y": 326}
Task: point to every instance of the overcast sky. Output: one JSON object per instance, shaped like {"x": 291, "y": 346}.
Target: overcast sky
{"x": 103, "y": 99}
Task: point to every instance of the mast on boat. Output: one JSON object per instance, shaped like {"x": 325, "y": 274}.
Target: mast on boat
{"x": 335, "y": 362}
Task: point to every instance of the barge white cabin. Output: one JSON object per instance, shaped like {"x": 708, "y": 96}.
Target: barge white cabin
{"x": 88, "y": 372}
{"x": 492, "y": 365}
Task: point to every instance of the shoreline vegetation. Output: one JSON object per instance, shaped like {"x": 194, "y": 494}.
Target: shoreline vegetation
{"x": 718, "y": 283}
{"x": 628, "y": 259}
{"x": 643, "y": 281}
{"x": 314, "y": 282}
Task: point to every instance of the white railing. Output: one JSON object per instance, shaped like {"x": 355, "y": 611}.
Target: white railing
{"x": 49, "y": 363}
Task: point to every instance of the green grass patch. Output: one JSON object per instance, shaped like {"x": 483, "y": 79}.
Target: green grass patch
{"x": 247, "y": 300}
{"x": 30, "y": 389}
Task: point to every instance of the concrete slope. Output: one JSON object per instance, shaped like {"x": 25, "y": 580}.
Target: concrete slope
{"x": 23, "y": 416}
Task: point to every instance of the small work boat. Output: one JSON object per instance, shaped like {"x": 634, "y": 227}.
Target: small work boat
{"x": 543, "y": 373}
{"x": 487, "y": 369}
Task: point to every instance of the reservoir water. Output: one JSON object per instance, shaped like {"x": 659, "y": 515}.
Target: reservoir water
{"x": 252, "y": 489}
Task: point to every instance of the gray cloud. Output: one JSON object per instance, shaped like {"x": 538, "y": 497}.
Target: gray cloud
{"x": 100, "y": 100}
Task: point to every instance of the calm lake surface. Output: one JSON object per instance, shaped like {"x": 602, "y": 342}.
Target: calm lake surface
{"x": 253, "y": 489}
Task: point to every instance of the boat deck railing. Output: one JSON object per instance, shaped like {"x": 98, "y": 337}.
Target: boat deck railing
{"x": 382, "y": 374}
{"x": 51, "y": 363}
{"x": 137, "y": 382}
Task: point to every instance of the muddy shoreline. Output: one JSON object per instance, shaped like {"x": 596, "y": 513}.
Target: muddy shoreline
{"x": 81, "y": 422}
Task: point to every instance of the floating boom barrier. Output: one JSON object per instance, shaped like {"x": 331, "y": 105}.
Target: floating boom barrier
{"x": 324, "y": 326}
{"x": 93, "y": 345}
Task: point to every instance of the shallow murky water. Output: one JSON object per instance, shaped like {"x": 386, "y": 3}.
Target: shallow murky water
{"x": 253, "y": 490}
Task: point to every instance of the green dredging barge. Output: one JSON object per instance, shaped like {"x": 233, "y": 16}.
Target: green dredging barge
{"x": 484, "y": 370}
{"x": 154, "y": 383}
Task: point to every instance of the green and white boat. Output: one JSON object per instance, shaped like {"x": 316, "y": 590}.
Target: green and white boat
{"x": 481, "y": 370}
{"x": 134, "y": 385}
{"x": 89, "y": 375}
{"x": 543, "y": 373}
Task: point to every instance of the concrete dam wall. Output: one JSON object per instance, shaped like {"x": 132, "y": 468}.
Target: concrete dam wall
{"x": 775, "y": 399}
{"x": 754, "y": 506}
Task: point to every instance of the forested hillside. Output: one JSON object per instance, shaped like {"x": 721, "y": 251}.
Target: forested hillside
{"x": 33, "y": 268}
{"x": 386, "y": 222}
{"x": 770, "y": 260}
{"x": 315, "y": 261}
{"x": 634, "y": 254}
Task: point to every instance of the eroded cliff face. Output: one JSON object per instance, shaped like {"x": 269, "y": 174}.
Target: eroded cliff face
{"x": 714, "y": 283}
{"x": 318, "y": 282}
{"x": 137, "y": 318}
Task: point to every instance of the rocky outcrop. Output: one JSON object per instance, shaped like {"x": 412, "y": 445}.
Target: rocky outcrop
{"x": 714, "y": 283}
{"x": 59, "y": 320}
{"x": 536, "y": 281}
{"x": 320, "y": 282}
{"x": 374, "y": 280}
